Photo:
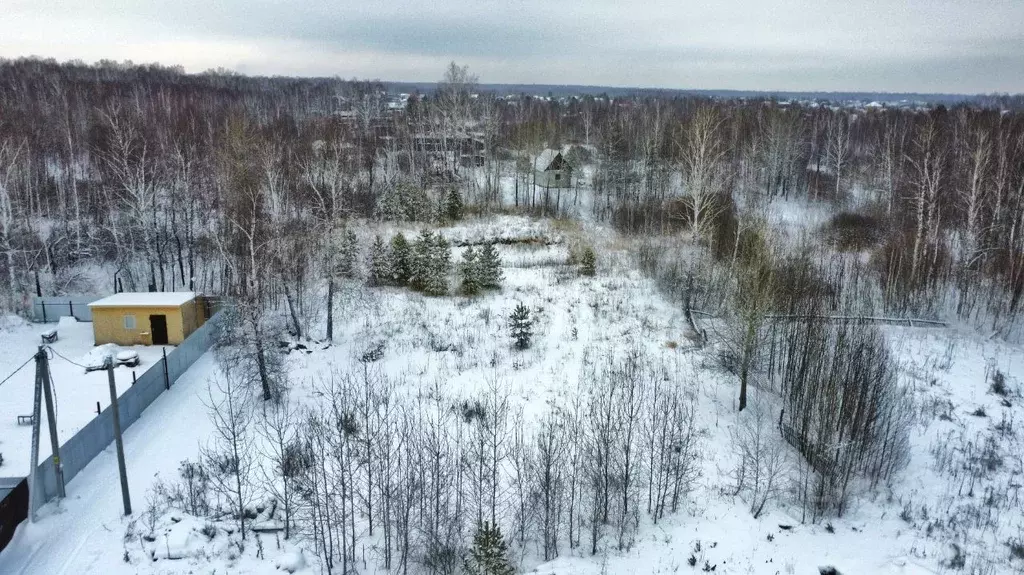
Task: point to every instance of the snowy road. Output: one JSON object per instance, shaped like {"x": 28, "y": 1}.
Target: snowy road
{"x": 86, "y": 533}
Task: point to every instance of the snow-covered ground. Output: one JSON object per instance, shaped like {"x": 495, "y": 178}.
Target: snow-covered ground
{"x": 960, "y": 487}
{"x": 75, "y": 391}
{"x": 85, "y": 532}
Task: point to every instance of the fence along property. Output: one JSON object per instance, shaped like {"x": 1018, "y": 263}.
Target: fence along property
{"x": 50, "y": 309}
{"x": 78, "y": 451}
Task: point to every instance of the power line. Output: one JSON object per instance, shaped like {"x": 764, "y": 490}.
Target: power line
{"x": 17, "y": 370}
{"x": 66, "y": 359}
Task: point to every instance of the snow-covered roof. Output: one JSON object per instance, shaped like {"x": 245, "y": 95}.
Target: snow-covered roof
{"x": 145, "y": 299}
{"x": 545, "y": 158}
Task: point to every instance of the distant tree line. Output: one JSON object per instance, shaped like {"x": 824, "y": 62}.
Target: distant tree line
{"x": 165, "y": 176}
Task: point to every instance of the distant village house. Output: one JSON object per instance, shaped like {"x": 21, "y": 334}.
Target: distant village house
{"x": 551, "y": 170}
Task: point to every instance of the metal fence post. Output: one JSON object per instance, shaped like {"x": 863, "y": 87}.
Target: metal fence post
{"x": 71, "y": 309}
{"x": 42, "y": 302}
{"x": 167, "y": 379}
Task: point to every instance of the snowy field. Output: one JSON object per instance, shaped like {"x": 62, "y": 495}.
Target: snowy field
{"x": 957, "y": 501}
{"x": 76, "y": 392}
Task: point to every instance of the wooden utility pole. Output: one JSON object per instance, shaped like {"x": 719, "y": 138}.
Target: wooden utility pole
{"x": 126, "y": 498}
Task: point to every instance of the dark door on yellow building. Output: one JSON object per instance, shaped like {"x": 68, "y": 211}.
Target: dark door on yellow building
{"x": 158, "y": 325}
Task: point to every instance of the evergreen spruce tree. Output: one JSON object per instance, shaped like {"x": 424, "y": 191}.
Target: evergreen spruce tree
{"x": 381, "y": 266}
{"x": 420, "y": 264}
{"x": 389, "y": 206}
{"x": 405, "y": 202}
{"x": 451, "y": 209}
{"x": 490, "y": 267}
{"x": 439, "y": 266}
{"x": 401, "y": 260}
{"x": 416, "y": 204}
{"x": 521, "y": 326}
{"x": 489, "y": 553}
{"x": 588, "y": 262}
{"x": 469, "y": 271}
{"x": 348, "y": 255}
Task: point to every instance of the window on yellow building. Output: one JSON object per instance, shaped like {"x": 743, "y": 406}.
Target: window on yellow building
{"x": 129, "y": 322}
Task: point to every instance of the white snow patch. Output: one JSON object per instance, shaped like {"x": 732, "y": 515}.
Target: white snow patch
{"x": 291, "y": 561}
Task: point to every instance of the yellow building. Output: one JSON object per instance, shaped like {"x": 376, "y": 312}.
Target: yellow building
{"x": 146, "y": 318}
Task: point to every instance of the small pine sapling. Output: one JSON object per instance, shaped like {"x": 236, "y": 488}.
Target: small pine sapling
{"x": 521, "y": 326}
{"x": 588, "y": 262}
{"x": 452, "y": 208}
{"x": 489, "y": 553}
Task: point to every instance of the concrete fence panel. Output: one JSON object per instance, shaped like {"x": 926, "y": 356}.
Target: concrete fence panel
{"x": 52, "y": 308}
{"x": 85, "y": 445}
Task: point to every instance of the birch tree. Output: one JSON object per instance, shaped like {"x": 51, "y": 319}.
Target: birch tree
{"x": 703, "y": 152}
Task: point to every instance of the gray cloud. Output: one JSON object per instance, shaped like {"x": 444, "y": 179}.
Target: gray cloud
{"x": 912, "y": 45}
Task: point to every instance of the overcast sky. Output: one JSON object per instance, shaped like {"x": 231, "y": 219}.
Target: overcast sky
{"x": 966, "y": 46}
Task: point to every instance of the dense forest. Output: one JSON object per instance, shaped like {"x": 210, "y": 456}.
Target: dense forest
{"x": 162, "y": 176}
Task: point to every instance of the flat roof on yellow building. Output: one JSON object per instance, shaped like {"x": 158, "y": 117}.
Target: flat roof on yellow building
{"x": 146, "y": 299}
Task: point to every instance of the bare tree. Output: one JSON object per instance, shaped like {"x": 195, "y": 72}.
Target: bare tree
{"x": 670, "y": 436}
{"x": 10, "y": 168}
{"x": 837, "y": 145}
{"x": 550, "y": 483}
{"x": 634, "y": 377}
{"x": 927, "y": 161}
{"x": 246, "y": 247}
{"x": 229, "y": 456}
{"x": 703, "y": 153}
{"x": 325, "y": 174}
{"x": 282, "y": 450}
{"x": 762, "y": 466}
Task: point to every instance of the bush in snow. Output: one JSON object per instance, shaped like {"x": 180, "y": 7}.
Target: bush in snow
{"x": 998, "y": 383}
{"x": 844, "y": 410}
{"x": 851, "y": 231}
{"x": 291, "y": 562}
{"x": 193, "y": 489}
{"x": 521, "y": 326}
{"x": 762, "y": 464}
